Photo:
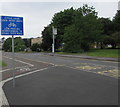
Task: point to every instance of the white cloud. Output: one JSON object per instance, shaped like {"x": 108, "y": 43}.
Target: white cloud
{"x": 37, "y": 15}
{"x": 59, "y": 0}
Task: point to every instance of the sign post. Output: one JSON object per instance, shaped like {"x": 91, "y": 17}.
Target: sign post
{"x": 54, "y": 30}
{"x": 13, "y": 61}
{"x": 11, "y": 25}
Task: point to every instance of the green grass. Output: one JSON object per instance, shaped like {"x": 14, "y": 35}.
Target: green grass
{"x": 2, "y": 64}
{"x": 112, "y": 53}
{"x": 66, "y": 53}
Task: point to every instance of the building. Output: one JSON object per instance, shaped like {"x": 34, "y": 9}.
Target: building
{"x": 36, "y": 40}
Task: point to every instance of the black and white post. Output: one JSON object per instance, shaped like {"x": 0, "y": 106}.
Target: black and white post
{"x": 54, "y": 31}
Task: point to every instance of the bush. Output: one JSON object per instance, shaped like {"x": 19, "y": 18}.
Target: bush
{"x": 36, "y": 47}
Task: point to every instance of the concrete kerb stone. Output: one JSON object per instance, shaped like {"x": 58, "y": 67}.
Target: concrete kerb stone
{"x": 3, "y": 99}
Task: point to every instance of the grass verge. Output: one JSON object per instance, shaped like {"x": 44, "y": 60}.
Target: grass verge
{"x": 2, "y": 64}
{"x": 112, "y": 53}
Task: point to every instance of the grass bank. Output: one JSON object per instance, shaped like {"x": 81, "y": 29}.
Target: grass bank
{"x": 112, "y": 53}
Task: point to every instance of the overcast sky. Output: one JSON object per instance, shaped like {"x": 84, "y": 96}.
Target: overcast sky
{"x": 37, "y": 15}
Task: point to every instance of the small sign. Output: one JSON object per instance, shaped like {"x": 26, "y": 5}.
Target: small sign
{"x": 11, "y": 25}
{"x": 54, "y": 30}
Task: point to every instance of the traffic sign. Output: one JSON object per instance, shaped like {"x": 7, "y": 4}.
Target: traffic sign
{"x": 11, "y": 25}
{"x": 54, "y": 31}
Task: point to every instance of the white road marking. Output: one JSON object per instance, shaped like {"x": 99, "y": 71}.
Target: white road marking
{"x": 20, "y": 61}
{"x": 4, "y": 100}
{"x": 16, "y": 67}
{"x": 12, "y": 68}
{"x": 37, "y": 61}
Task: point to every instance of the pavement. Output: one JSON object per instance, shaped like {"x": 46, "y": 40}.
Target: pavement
{"x": 56, "y": 80}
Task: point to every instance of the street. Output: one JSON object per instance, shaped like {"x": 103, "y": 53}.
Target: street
{"x": 43, "y": 79}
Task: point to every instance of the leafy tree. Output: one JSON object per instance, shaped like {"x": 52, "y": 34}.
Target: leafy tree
{"x": 19, "y": 44}
{"x": 113, "y": 37}
{"x": 108, "y": 29}
{"x": 7, "y": 46}
{"x": 47, "y": 38}
{"x": 61, "y": 20}
{"x": 27, "y": 42}
{"x": 36, "y": 47}
{"x": 108, "y": 40}
{"x": 85, "y": 30}
{"x": 116, "y": 21}
{"x": 116, "y": 38}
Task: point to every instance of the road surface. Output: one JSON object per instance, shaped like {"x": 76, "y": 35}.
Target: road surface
{"x": 54, "y": 80}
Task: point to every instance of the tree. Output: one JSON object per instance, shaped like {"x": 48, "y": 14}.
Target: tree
{"x": 7, "y": 46}
{"x": 47, "y": 38}
{"x": 19, "y": 44}
{"x": 36, "y": 47}
{"x": 108, "y": 29}
{"x": 85, "y": 30}
{"x": 61, "y": 20}
{"x": 113, "y": 37}
{"x": 27, "y": 42}
{"x": 116, "y": 21}
{"x": 116, "y": 38}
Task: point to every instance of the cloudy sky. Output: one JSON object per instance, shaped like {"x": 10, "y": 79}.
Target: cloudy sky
{"x": 37, "y": 15}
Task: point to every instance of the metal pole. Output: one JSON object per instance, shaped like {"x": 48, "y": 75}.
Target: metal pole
{"x": 53, "y": 45}
{"x": 13, "y": 61}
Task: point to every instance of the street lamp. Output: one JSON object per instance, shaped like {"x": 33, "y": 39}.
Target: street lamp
{"x": 54, "y": 31}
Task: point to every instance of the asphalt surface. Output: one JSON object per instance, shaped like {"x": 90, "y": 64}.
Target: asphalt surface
{"x": 61, "y": 81}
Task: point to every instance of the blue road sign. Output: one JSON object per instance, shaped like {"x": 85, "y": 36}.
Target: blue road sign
{"x": 11, "y": 25}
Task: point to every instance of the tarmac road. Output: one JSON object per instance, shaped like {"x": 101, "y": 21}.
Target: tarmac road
{"x": 62, "y": 81}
